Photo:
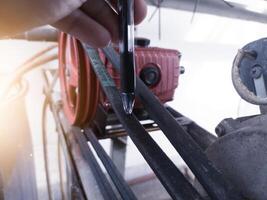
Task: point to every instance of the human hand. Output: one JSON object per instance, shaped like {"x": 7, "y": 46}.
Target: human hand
{"x": 17, "y": 16}
{"x": 91, "y": 21}
{"x": 96, "y": 23}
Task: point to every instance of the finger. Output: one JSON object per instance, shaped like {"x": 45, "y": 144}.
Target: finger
{"x": 84, "y": 28}
{"x": 101, "y": 12}
{"x": 140, "y": 9}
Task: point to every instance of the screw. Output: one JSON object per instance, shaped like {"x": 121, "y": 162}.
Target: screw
{"x": 182, "y": 70}
{"x": 220, "y": 131}
{"x": 256, "y": 71}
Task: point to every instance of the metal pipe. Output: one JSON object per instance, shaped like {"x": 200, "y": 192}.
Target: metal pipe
{"x": 214, "y": 7}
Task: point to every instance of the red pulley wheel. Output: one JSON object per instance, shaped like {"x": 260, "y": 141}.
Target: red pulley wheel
{"x": 78, "y": 82}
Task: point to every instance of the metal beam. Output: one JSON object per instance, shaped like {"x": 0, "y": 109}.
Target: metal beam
{"x": 213, "y": 7}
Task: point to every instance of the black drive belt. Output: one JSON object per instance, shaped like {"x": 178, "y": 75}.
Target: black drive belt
{"x": 171, "y": 178}
{"x": 216, "y": 186}
{"x": 101, "y": 179}
{"x": 124, "y": 190}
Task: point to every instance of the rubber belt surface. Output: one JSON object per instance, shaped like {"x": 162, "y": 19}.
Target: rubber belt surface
{"x": 211, "y": 179}
{"x": 101, "y": 179}
{"x": 171, "y": 178}
{"x": 124, "y": 190}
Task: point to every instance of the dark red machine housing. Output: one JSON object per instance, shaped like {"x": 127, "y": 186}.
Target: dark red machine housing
{"x": 164, "y": 65}
{"x": 81, "y": 93}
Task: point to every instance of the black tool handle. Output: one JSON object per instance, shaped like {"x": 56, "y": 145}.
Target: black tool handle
{"x": 126, "y": 45}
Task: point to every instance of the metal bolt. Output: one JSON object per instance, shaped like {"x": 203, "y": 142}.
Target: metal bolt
{"x": 220, "y": 131}
{"x": 182, "y": 70}
{"x": 256, "y": 71}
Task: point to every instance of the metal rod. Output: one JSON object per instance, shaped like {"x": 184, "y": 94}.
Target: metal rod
{"x": 123, "y": 188}
{"x": 171, "y": 178}
{"x": 214, "y": 183}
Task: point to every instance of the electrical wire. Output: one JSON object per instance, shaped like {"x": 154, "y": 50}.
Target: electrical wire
{"x": 33, "y": 62}
{"x": 44, "y": 136}
{"x": 194, "y": 11}
{"x": 63, "y": 197}
{"x": 37, "y": 60}
{"x": 40, "y": 53}
{"x": 228, "y": 4}
{"x": 158, "y": 8}
{"x": 46, "y": 157}
{"x": 48, "y": 182}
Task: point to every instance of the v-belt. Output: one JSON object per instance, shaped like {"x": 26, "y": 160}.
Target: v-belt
{"x": 171, "y": 178}
{"x": 214, "y": 183}
{"x": 102, "y": 182}
{"x": 124, "y": 189}
{"x": 104, "y": 185}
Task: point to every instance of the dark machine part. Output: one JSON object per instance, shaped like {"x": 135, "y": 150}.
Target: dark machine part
{"x": 150, "y": 75}
{"x": 106, "y": 124}
{"x": 182, "y": 69}
{"x": 201, "y": 136}
{"x": 240, "y": 150}
{"x": 249, "y": 72}
{"x": 240, "y": 154}
{"x": 126, "y": 49}
{"x": 141, "y": 42}
{"x": 229, "y": 125}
